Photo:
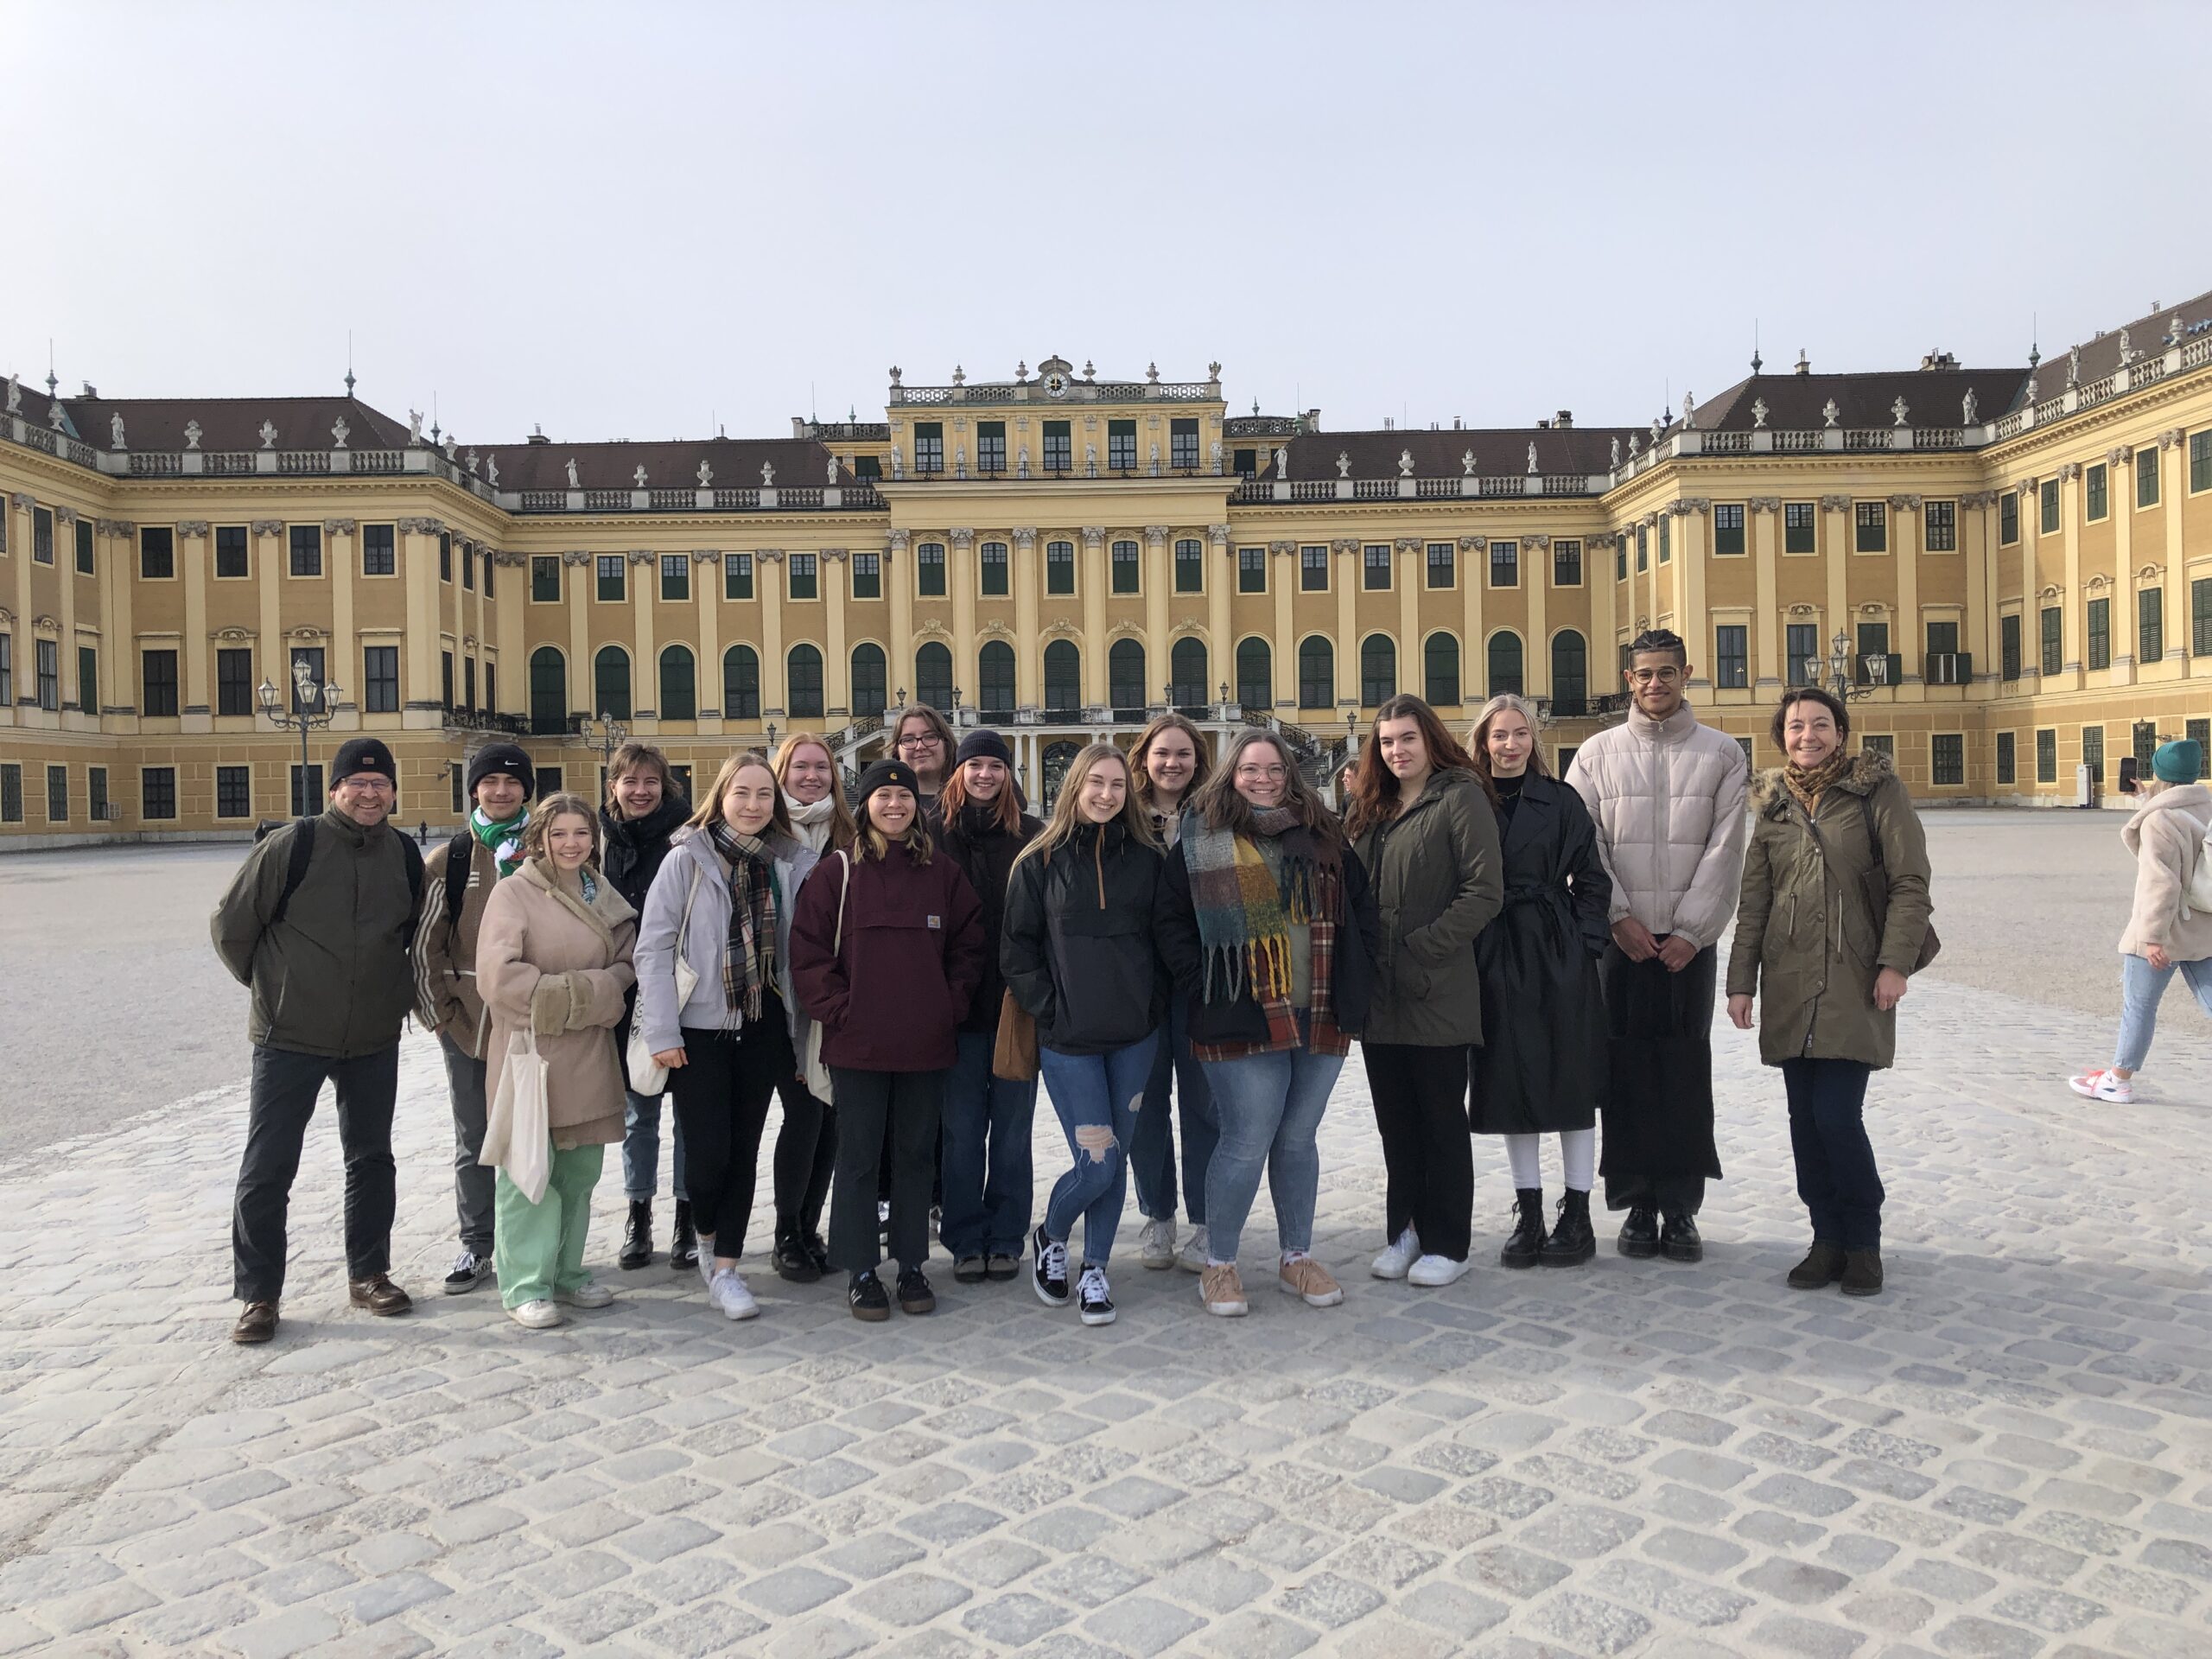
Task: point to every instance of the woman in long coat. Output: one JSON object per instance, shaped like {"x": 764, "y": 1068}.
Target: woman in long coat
{"x": 1542, "y": 1066}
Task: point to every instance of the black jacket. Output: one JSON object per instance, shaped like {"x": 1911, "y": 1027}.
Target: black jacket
{"x": 1094, "y": 939}
{"x": 985, "y": 853}
{"x": 1543, "y": 1065}
{"x": 635, "y": 847}
{"x": 1352, "y": 984}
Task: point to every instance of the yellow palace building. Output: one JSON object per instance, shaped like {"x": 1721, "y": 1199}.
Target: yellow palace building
{"x": 2012, "y": 568}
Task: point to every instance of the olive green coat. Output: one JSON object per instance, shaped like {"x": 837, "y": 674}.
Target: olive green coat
{"x": 1439, "y": 878}
{"x": 1806, "y": 943}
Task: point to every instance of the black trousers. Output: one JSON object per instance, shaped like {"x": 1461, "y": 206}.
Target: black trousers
{"x": 1420, "y": 1111}
{"x": 284, "y": 1087}
{"x": 806, "y": 1154}
{"x": 1836, "y": 1175}
{"x": 905, "y": 1105}
{"x": 722, "y": 1090}
{"x": 1659, "y": 1149}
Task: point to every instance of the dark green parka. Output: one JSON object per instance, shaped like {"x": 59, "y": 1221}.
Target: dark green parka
{"x": 1439, "y": 878}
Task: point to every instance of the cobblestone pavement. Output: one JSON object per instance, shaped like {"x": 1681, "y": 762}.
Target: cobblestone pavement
{"x": 2008, "y": 1454}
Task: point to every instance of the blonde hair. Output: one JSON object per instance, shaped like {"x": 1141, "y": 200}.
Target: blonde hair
{"x": 1067, "y": 809}
{"x": 1479, "y": 737}
{"x": 567, "y": 803}
{"x": 709, "y": 812}
{"x": 841, "y": 828}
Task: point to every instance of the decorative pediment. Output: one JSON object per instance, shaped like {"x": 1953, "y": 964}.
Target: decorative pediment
{"x": 1802, "y": 609}
{"x": 2150, "y": 573}
{"x": 233, "y": 635}
{"x": 305, "y": 631}
{"x": 575, "y": 556}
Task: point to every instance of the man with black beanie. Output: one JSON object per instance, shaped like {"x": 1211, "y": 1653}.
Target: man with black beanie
{"x": 457, "y": 879}
{"x": 316, "y": 922}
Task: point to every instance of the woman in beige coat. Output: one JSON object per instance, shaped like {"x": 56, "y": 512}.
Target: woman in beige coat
{"x": 553, "y": 958}
{"x": 2167, "y": 835}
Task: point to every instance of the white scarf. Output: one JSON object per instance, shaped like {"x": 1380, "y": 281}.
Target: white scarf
{"x": 812, "y": 820}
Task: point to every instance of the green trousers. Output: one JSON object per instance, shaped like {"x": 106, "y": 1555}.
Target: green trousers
{"x": 539, "y": 1247}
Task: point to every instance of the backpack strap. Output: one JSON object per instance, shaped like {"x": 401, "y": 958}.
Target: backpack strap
{"x": 412, "y": 856}
{"x": 463, "y": 847}
{"x": 298, "y": 856}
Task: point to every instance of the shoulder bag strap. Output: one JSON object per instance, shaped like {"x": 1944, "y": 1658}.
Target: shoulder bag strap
{"x": 837, "y": 942}
{"x": 683, "y": 931}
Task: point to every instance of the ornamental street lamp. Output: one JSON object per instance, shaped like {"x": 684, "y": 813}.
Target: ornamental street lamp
{"x": 611, "y": 733}
{"x": 313, "y": 708}
{"x": 1837, "y": 666}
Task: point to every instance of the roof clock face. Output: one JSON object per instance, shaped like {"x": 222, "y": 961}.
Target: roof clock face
{"x": 1056, "y": 384}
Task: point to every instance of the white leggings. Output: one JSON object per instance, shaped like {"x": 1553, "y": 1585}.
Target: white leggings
{"x": 1578, "y": 1150}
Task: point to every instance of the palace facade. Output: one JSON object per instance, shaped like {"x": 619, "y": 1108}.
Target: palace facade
{"x": 2011, "y": 567}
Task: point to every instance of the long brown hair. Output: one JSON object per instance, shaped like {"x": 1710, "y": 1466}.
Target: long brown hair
{"x": 841, "y": 830}
{"x": 709, "y": 812}
{"x": 1374, "y": 785}
{"x": 567, "y": 803}
{"x": 1141, "y": 758}
{"x": 1220, "y": 807}
{"x": 1478, "y": 737}
{"x": 953, "y": 797}
{"x": 1067, "y": 811}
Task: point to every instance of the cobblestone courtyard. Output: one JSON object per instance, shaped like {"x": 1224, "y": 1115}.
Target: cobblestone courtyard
{"x": 2009, "y": 1454}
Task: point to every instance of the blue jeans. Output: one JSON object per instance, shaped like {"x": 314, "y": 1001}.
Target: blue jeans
{"x": 641, "y": 1148}
{"x": 987, "y": 1159}
{"x": 1836, "y": 1177}
{"x": 1152, "y": 1148}
{"x": 1270, "y": 1107}
{"x": 2141, "y": 987}
{"x": 1097, "y": 1096}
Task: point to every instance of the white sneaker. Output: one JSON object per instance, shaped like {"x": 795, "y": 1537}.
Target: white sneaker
{"x": 1435, "y": 1270}
{"x": 2103, "y": 1085}
{"x": 540, "y": 1315}
{"x": 1193, "y": 1256}
{"x": 1156, "y": 1244}
{"x": 588, "y": 1295}
{"x": 1395, "y": 1262}
{"x": 729, "y": 1292}
{"x": 707, "y": 1267}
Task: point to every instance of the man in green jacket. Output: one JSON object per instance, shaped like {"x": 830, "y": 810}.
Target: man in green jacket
{"x": 325, "y": 956}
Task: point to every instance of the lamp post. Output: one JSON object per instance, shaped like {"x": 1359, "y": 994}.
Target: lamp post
{"x": 1837, "y": 665}
{"x": 314, "y": 707}
{"x": 611, "y": 733}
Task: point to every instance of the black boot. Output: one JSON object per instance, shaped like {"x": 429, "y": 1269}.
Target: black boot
{"x": 1822, "y": 1267}
{"x": 1862, "y": 1273}
{"x": 1678, "y": 1238}
{"x": 683, "y": 1249}
{"x": 1639, "y": 1233}
{"x": 792, "y": 1263}
{"x": 637, "y": 1236}
{"x": 1572, "y": 1242}
{"x": 1526, "y": 1244}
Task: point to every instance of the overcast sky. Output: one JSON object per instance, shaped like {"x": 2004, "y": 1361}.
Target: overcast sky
{"x": 633, "y": 221}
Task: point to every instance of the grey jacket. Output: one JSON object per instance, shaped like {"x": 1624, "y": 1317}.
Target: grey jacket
{"x": 694, "y": 877}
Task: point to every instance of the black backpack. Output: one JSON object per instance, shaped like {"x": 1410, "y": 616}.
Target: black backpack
{"x": 301, "y": 853}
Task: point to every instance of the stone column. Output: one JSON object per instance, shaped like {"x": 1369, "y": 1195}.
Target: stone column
{"x": 706, "y": 591}
{"x": 645, "y": 672}
{"x": 1473, "y": 659}
{"x": 1407, "y": 577}
{"x": 1597, "y": 574}
{"x": 1221, "y": 585}
{"x": 1028, "y": 650}
{"x": 420, "y": 703}
{"x": 1838, "y": 555}
{"x": 960, "y": 578}
{"x": 1766, "y": 510}
{"x": 1346, "y": 658}
{"x": 345, "y": 663}
{"x": 583, "y": 678}
{"x": 2173, "y": 490}
{"x": 768, "y": 562}
{"x": 1905, "y": 541}
{"x": 197, "y": 701}
{"x": 1282, "y": 557}
{"x": 2030, "y": 585}
{"x": 1159, "y": 647}
{"x": 26, "y": 653}
{"x": 1536, "y": 578}
{"x": 2075, "y": 617}
{"x": 119, "y": 638}
{"x": 514, "y": 650}
{"x": 836, "y": 654}
{"x": 65, "y": 566}
{"x": 898, "y": 580}
{"x": 1095, "y": 643}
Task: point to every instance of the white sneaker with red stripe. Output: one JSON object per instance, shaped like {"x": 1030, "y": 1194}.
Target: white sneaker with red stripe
{"x": 2103, "y": 1085}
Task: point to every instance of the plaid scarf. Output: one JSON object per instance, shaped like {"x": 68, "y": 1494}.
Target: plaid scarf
{"x": 1245, "y": 915}
{"x": 749, "y": 962}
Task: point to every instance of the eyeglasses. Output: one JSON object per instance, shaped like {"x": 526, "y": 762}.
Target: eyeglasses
{"x": 924, "y": 740}
{"x": 1254, "y": 774}
{"x": 372, "y": 782}
{"x": 1666, "y": 675}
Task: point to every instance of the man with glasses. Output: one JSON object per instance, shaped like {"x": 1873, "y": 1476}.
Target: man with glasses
{"x": 1667, "y": 796}
{"x": 317, "y": 922}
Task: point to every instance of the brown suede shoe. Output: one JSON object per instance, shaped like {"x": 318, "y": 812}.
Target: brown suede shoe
{"x": 1822, "y": 1267}
{"x": 380, "y": 1295}
{"x": 1862, "y": 1273}
{"x": 256, "y": 1323}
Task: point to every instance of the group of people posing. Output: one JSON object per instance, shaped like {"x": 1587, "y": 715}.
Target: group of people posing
{"x": 1184, "y": 944}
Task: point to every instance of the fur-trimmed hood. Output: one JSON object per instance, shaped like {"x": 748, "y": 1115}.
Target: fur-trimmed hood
{"x": 1771, "y": 795}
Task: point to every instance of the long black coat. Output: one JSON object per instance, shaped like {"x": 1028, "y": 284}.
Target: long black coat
{"x": 632, "y": 852}
{"x": 1543, "y": 1063}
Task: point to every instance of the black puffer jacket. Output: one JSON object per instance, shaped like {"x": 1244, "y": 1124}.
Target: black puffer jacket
{"x": 1094, "y": 941}
{"x": 985, "y": 850}
{"x": 635, "y": 847}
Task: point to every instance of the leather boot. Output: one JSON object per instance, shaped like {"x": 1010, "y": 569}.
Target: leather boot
{"x": 1639, "y": 1233}
{"x": 1572, "y": 1242}
{"x": 1526, "y": 1247}
{"x": 683, "y": 1249}
{"x": 637, "y": 1236}
{"x": 792, "y": 1263}
{"x": 1822, "y": 1267}
{"x": 1862, "y": 1273}
{"x": 1679, "y": 1238}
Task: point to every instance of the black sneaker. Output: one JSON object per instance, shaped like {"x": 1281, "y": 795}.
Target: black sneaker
{"x": 469, "y": 1270}
{"x": 1049, "y": 1275}
{"x": 1678, "y": 1238}
{"x": 915, "y": 1295}
{"x": 865, "y": 1296}
{"x": 1098, "y": 1302}
{"x": 1639, "y": 1234}
{"x": 792, "y": 1263}
{"x": 818, "y": 1253}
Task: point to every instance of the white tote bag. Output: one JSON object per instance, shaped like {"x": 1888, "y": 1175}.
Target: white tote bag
{"x": 648, "y": 1076}
{"x": 815, "y": 1074}
{"x": 518, "y": 1130}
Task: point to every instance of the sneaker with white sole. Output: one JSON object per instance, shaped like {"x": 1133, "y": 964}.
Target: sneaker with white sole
{"x": 1095, "y": 1296}
{"x": 1307, "y": 1279}
{"x": 1432, "y": 1270}
{"x": 1050, "y": 1274}
{"x": 706, "y": 1266}
{"x": 1222, "y": 1292}
{"x": 1395, "y": 1261}
{"x": 1191, "y": 1258}
{"x": 1156, "y": 1244}
{"x": 588, "y": 1294}
{"x": 540, "y": 1315}
{"x": 730, "y": 1294}
{"x": 469, "y": 1270}
{"x": 2103, "y": 1085}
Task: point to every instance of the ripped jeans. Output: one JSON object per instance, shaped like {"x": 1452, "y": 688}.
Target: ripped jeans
{"x": 1097, "y": 1096}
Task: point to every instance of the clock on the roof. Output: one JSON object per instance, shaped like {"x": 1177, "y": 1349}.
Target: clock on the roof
{"x": 1056, "y": 384}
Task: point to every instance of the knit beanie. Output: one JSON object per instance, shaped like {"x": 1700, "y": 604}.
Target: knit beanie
{"x": 506, "y": 759}
{"x": 886, "y": 774}
{"x": 360, "y": 754}
{"x": 2181, "y": 761}
{"x": 984, "y": 744}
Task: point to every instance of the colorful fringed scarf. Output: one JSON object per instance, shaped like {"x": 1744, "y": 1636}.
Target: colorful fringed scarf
{"x": 1245, "y": 915}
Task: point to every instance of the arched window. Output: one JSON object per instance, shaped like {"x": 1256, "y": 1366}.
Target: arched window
{"x": 610, "y": 683}
{"x": 1378, "y": 670}
{"x": 1062, "y": 677}
{"x": 1255, "y": 680}
{"x": 1187, "y": 667}
{"x": 679, "y": 684}
{"x": 548, "y": 690}
{"x": 740, "y": 683}
{"x": 1440, "y": 664}
{"x": 1125, "y": 676}
{"x": 1570, "y": 673}
{"x": 1504, "y": 663}
{"x": 871, "y": 682}
{"x": 995, "y": 679}
{"x": 1317, "y": 674}
{"x": 803, "y": 682}
{"x": 933, "y": 675}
